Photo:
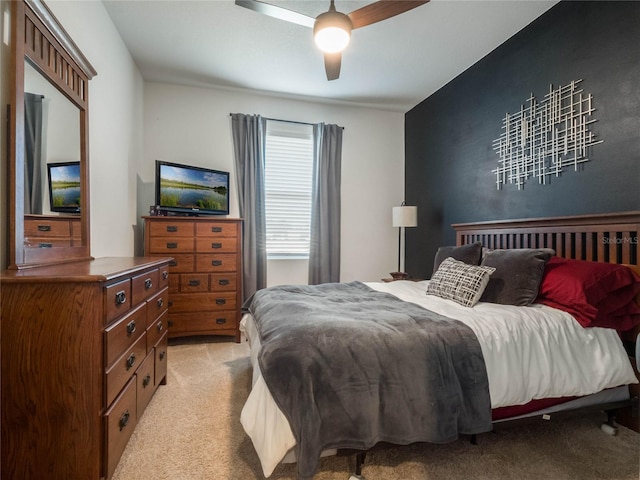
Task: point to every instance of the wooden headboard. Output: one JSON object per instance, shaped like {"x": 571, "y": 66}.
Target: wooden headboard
{"x": 608, "y": 237}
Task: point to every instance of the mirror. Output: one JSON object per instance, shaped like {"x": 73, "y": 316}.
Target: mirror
{"x": 52, "y": 149}
{"x": 48, "y": 141}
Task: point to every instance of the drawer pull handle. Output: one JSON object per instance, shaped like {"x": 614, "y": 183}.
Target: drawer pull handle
{"x": 165, "y": 274}
{"x": 131, "y": 327}
{"x": 223, "y": 281}
{"x": 161, "y": 355}
{"x": 172, "y": 228}
{"x": 121, "y": 297}
{"x": 172, "y": 244}
{"x": 146, "y": 380}
{"x": 160, "y": 327}
{"x": 173, "y": 263}
{"x": 221, "y": 321}
{"x": 220, "y": 301}
{"x": 131, "y": 360}
{"x": 216, "y": 229}
{"x": 216, "y": 245}
{"x": 194, "y": 283}
{"x": 124, "y": 419}
{"x": 44, "y": 228}
{"x": 170, "y": 303}
{"x": 170, "y": 323}
{"x": 45, "y": 245}
{"x": 160, "y": 303}
{"x": 148, "y": 284}
{"x": 216, "y": 263}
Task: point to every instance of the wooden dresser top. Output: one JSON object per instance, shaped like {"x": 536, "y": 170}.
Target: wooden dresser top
{"x": 100, "y": 269}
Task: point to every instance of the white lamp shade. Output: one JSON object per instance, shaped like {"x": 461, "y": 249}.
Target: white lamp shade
{"x": 405, "y": 216}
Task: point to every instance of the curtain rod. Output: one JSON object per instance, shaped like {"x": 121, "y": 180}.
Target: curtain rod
{"x": 288, "y": 121}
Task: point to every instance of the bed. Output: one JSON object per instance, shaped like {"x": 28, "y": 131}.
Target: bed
{"x": 539, "y": 357}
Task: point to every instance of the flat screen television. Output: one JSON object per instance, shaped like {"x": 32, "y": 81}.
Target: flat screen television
{"x": 188, "y": 190}
{"x": 64, "y": 187}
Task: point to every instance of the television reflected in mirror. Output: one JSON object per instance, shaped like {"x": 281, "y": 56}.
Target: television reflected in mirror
{"x": 190, "y": 190}
{"x": 64, "y": 187}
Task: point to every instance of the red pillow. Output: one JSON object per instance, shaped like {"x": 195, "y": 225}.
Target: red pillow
{"x": 596, "y": 294}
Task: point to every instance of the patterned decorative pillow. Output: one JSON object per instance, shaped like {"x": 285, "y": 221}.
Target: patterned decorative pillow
{"x": 459, "y": 281}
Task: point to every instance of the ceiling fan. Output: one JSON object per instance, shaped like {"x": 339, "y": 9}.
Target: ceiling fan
{"x": 332, "y": 29}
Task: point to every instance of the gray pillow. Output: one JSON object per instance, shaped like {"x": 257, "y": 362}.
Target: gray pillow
{"x": 517, "y": 277}
{"x": 469, "y": 254}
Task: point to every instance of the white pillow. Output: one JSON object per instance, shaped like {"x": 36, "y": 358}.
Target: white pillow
{"x": 459, "y": 281}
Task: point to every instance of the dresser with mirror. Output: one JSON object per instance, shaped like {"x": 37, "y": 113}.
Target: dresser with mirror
{"x": 83, "y": 341}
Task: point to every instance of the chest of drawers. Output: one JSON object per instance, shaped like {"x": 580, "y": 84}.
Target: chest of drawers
{"x": 205, "y": 290}
{"x": 84, "y": 347}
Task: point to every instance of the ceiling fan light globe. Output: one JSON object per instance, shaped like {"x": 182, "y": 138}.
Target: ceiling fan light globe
{"x": 332, "y": 31}
{"x": 332, "y": 39}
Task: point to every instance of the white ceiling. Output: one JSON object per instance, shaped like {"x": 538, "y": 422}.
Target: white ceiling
{"x": 394, "y": 64}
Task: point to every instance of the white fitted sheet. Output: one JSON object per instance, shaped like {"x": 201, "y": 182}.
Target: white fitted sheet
{"x": 530, "y": 353}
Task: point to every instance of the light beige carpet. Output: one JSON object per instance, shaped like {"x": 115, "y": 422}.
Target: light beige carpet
{"x": 191, "y": 431}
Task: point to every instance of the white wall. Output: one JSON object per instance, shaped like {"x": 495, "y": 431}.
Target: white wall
{"x": 192, "y": 125}
{"x": 115, "y": 125}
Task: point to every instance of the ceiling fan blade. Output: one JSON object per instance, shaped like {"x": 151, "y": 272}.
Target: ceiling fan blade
{"x": 332, "y": 63}
{"x": 277, "y": 12}
{"x": 381, "y": 10}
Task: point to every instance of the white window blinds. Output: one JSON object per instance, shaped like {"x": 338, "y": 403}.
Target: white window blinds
{"x": 288, "y": 174}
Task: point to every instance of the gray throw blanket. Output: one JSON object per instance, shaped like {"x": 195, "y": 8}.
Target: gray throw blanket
{"x": 350, "y": 367}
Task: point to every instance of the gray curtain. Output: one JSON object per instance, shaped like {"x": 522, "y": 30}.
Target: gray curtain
{"x": 249, "y": 132}
{"x": 324, "y": 249}
{"x": 32, "y": 153}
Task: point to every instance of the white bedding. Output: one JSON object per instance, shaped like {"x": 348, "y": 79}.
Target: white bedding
{"x": 530, "y": 353}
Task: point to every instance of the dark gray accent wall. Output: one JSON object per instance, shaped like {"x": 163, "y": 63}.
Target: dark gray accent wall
{"x": 448, "y": 136}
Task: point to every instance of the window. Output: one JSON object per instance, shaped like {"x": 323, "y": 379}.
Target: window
{"x": 288, "y": 176}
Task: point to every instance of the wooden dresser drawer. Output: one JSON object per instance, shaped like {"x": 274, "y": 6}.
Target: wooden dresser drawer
{"x": 157, "y": 305}
{"x": 120, "y": 421}
{"x": 182, "y": 263}
{"x": 117, "y": 297}
{"x": 216, "y": 245}
{"x": 156, "y": 329}
{"x": 120, "y": 336}
{"x": 216, "y": 229}
{"x": 46, "y": 242}
{"x": 143, "y": 286}
{"x": 124, "y": 367}
{"x": 202, "y": 302}
{"x": 145, "y": 382}
{"x": 171, "y": 245}
{"x": 198, "y": 323}
{"x": 174, "y": 283}
{"x": 194, "y": 282}
{"x": 76, "y": 228}
{"x": 47, "y": 227}
{"x": 226, "y": 262}
{"x": 163, "y": 277}
{"x": 171, "y": 229}
{"x": 223, "y": 282}
{"x": 161, "y": 360}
